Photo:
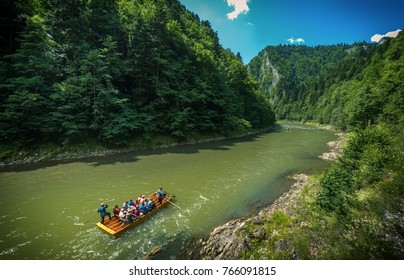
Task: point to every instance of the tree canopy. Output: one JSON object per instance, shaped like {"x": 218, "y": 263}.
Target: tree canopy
{"x": 112, "y": 70}
{"x": 348, "y": 86}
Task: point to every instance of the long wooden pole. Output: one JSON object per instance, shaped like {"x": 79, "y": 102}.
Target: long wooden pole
{"x": 90, "y": 218}
{"x": 174, "y": 204}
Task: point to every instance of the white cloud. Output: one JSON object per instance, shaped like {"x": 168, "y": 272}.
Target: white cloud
{"x": 297, "y": 41}
{"x": 392, "y": 34}
{"x": 240, "y": 6}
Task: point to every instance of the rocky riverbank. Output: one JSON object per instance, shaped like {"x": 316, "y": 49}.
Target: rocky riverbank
{"x": 229, "y": 241}
{"x": 336, "y": 148}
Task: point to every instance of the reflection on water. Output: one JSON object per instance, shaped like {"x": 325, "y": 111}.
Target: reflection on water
{"x": 49, "y": 210}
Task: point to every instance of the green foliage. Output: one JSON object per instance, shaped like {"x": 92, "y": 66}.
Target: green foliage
{"x": 364, "y": 108}
{"x": 371, "y": 138}
{"x": 363, "y": 162}
{"x": 114, "y": 70}
{"x": 277, "y": 228}
{"x": 337, "y": 188}
{"x": 25, "y": 110}
{"x": 348, "y": 86}
{"x": 352, "y": 212}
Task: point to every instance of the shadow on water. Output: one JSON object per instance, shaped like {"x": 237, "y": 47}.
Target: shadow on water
{"x": 131, "y": 157}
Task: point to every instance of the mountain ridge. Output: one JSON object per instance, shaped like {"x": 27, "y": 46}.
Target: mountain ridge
{"x": 316, "y": 81}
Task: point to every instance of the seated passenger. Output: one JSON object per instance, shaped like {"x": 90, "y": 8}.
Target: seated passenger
{"x": 143, "y": 208}
{"x": 150, "y": 204}
{"x": 131, "y": 203}
{"x": 129, "y": 218}
{"x": 125, "y": 206}
{"x": 122, "y": 215}
{"x": 136, "y": 212}
{"x": 116, "y": 210}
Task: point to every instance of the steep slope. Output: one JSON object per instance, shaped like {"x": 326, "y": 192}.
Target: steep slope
{"x": 301, "y": 67}
{"x": 345, "y": 85}
{"x": 112, "y": 71}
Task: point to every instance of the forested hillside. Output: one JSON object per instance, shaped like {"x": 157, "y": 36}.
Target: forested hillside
{"x": 345, "y": 85}
{"x": 113, "y": 70}
{"x": 353, "y": 210}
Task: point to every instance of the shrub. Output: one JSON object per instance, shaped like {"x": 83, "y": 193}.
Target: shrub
{"x": 363, "y": 162}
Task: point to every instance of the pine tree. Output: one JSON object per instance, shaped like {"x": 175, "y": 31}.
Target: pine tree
{"x": 26, "y": 109}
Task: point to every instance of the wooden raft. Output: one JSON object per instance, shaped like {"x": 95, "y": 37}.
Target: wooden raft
{"x": 115, "y": 227}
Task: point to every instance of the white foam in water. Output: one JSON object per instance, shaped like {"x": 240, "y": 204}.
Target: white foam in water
{"x": 13, "y": 233}
{"x": 23, "y": 244}
{"x": 76, "y": 220}
{"x": 9, "y": 251}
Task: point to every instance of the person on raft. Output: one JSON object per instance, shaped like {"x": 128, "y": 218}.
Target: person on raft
{"x": 160, "y": 195}
{"x": 103, "y": 212}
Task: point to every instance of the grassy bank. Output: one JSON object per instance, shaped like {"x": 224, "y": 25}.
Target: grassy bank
{"x": 353, "y": 210}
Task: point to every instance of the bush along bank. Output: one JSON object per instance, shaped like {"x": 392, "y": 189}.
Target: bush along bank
{"x": 353, "y": 210}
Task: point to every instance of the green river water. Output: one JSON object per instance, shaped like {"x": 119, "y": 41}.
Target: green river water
{"x": 49, "y": 209}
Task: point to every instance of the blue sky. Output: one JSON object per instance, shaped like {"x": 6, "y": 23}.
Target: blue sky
{"x": 248, "y": 26}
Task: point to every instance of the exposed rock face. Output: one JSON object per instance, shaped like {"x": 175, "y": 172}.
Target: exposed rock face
{"x": 268, "y": 75}
{"x": 227, "y": 242}
{"x": 224, "y": 242}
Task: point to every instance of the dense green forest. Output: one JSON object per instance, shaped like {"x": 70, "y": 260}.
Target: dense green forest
{"x": 347, "y": 86}
{"x": 110, "y": 71}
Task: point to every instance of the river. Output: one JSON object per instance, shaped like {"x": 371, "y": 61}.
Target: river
{"x": 49, "y": 209}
